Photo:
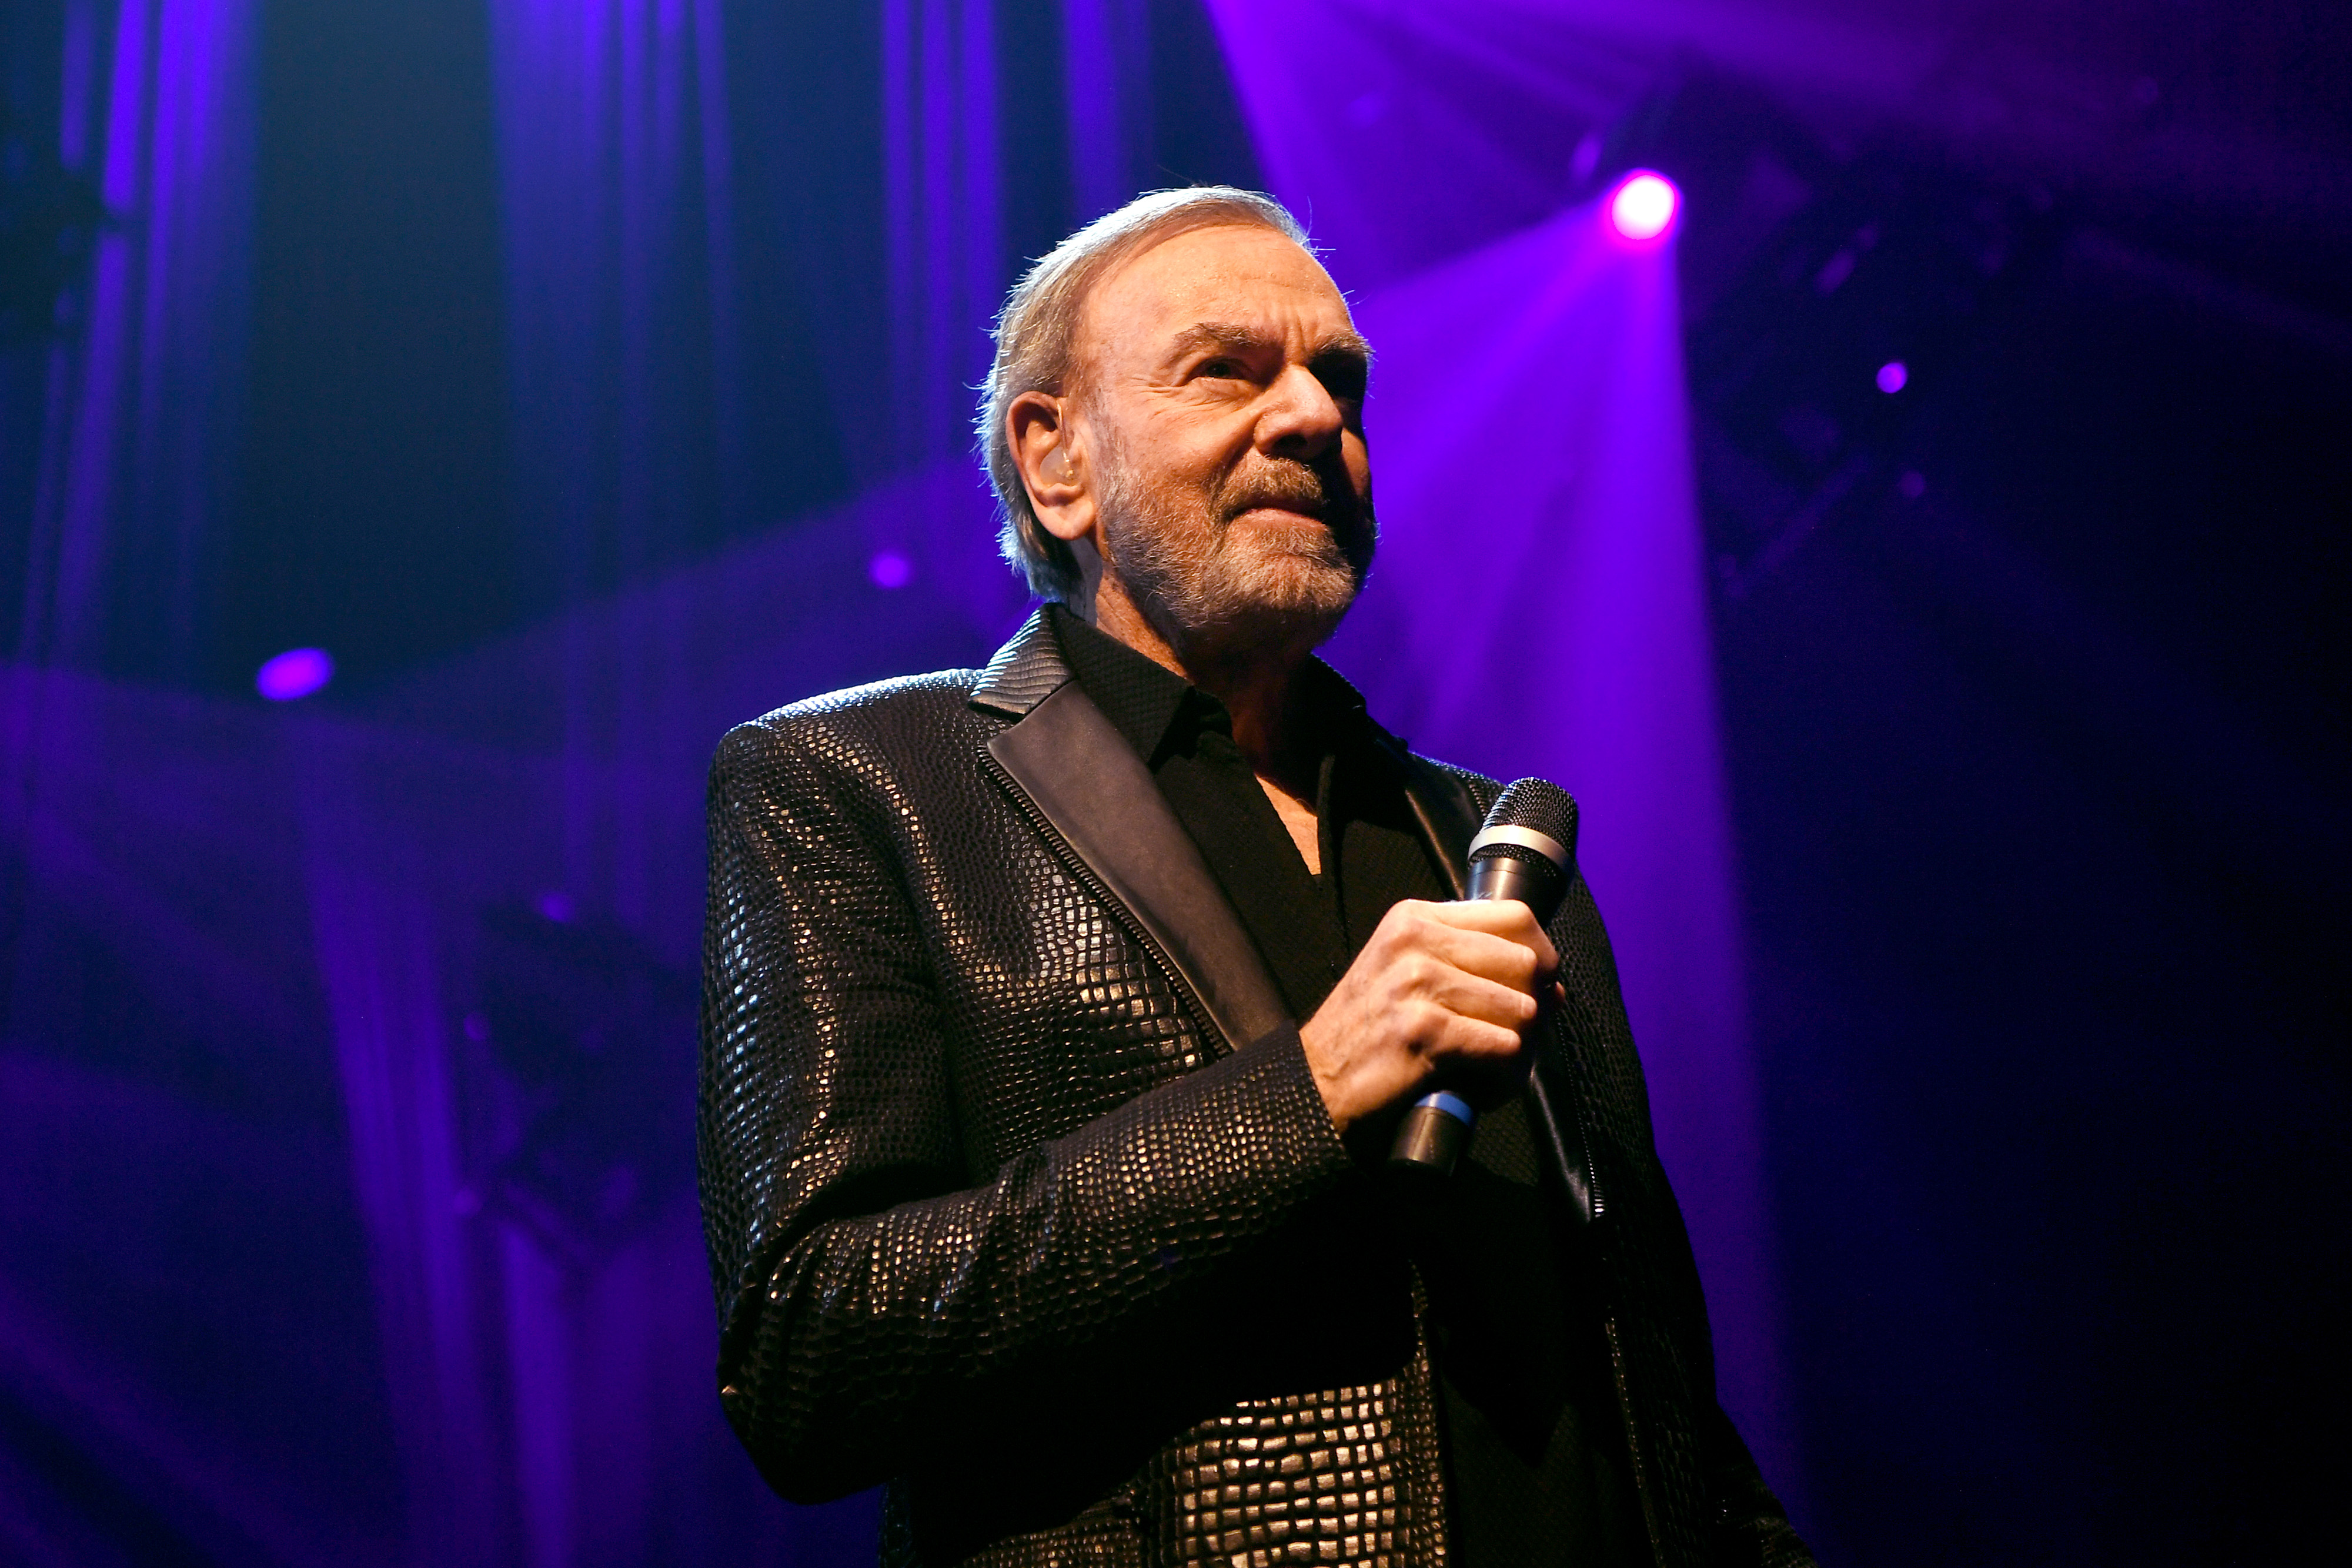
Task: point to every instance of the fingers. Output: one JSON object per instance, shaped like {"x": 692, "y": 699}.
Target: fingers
{"x": 1465, "y": 1038}
{"x": 1499, "y": 939}
{"x": 1484, "y": 1061}
{"x": 1507, "y": 918}
{"x": 1506, "y": 1002}
{"x": 1439, "y": 986}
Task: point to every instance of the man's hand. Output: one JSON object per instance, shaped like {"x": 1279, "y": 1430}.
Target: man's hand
{"x": 1450, "y": 985}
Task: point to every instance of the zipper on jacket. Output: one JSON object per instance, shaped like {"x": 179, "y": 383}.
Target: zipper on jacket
{"x": 1642, "y": 1485}
{"x": 1210, "y": 1032}
{"x": 1571, "y": 1039}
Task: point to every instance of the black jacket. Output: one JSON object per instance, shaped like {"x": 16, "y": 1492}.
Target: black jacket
{"x": 1018, "y": 1190}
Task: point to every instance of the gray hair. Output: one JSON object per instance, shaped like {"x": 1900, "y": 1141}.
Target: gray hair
{"x": 1036, "y": 335}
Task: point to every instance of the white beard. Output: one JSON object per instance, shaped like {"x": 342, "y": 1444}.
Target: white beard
{"x": 1207, "y": 586}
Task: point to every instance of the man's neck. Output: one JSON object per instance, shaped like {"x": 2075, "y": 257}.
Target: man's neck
{"x": 1257, "y": 685}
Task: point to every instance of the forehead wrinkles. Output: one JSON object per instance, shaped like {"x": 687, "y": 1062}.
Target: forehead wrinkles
{"x": 1174, "y": 303}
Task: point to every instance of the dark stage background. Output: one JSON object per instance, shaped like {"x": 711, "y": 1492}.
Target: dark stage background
{"x": 1964, "y": 763}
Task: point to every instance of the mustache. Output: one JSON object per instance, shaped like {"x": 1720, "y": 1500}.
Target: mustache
{"x": 1293, "y": 486}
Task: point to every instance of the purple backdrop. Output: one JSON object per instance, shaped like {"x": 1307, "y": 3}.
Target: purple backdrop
{"x": 1529, "y": 399}
{"x": 1539, "y": 606}
{"x": 534, "y": 1382}
{"x": 370, "y": 885}
{"x": 155, "y": 103}
{"x": 345, "y": 1186}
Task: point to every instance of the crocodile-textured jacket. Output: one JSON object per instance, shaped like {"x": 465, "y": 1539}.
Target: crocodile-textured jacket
{"x": 1020, "y": 1195}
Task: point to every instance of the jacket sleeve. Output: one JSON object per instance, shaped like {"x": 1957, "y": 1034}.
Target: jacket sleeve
{"x": 873, "y": 1299}
{"x": 1748, "y": 1527}
{"x": 1745, "y": 1524}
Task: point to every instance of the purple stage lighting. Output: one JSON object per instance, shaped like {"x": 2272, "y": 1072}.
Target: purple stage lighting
{"x": 1893, "y": 376}
{"x": 1642, "y": 208}
{"x": 296, "y": 672}
{"x": 888, "y": 569}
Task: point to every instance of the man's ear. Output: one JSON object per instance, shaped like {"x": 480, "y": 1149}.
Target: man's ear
{"x": 1047, "y": 449}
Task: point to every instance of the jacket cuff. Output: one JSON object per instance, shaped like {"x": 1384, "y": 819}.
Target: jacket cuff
{"x": 1277, "y": 1063}
{"x": 1256, "y": 1138}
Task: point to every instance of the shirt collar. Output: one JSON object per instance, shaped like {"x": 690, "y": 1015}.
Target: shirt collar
{"x": 1146, "y": 701}
{"x": 1141, "y": 697}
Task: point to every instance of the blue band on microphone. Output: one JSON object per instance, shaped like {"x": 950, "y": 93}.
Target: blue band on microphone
{"x": 1452, "y": 1105}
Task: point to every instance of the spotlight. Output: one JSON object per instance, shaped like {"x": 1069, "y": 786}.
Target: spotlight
{"x": 1892, "y": 377}
{"x": 891, "y": 569}
{"x": 1642, "y": 208}
{"x": 297, "y": 672}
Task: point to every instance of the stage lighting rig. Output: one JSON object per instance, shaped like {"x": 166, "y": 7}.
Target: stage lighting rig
{"x": 1807, "y": 366}
{"x": 1641, "y": 210}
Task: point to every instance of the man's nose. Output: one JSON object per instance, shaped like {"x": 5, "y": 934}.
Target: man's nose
{"x": 1302, "y": 420}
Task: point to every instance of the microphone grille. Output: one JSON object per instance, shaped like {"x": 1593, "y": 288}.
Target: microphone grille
{"x": 1539, "y": 804}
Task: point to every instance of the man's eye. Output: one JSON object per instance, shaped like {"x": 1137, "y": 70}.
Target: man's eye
{"x": 1344, "y": 379}
{"x": 1221, "y": 370}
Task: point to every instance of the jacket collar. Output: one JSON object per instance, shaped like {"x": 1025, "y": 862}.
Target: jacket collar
{"x": 1082, "y": 779}
{"x": 1024, "y": 672}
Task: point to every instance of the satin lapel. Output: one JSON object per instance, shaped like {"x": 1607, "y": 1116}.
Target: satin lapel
{"x": 1449, "y": 818}
{"x": 1085, "y": 781}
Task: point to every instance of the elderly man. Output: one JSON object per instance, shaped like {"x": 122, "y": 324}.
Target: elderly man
{"x": 1058, "y": 1013}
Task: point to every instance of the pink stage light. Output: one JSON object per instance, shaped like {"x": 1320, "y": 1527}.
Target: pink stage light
{"x": 296, "y": 672}
{"x": 1643, "y": 207}
{"x": 891, "y": 569}
{"x": 1892, "y": 377}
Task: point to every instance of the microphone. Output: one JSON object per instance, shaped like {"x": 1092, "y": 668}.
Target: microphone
{"x": 1527, "y": 850}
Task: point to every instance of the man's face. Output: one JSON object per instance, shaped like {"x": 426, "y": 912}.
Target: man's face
{"x": 1222, "y": 385}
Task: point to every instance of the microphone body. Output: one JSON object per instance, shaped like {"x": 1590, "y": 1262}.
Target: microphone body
{"x": 1526, "y": 851}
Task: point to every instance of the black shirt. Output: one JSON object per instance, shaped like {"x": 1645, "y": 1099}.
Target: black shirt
{"x": 1534, "y": 1452}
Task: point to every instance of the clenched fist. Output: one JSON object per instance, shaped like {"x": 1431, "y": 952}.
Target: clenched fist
{"x": 1439, "y": 985}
